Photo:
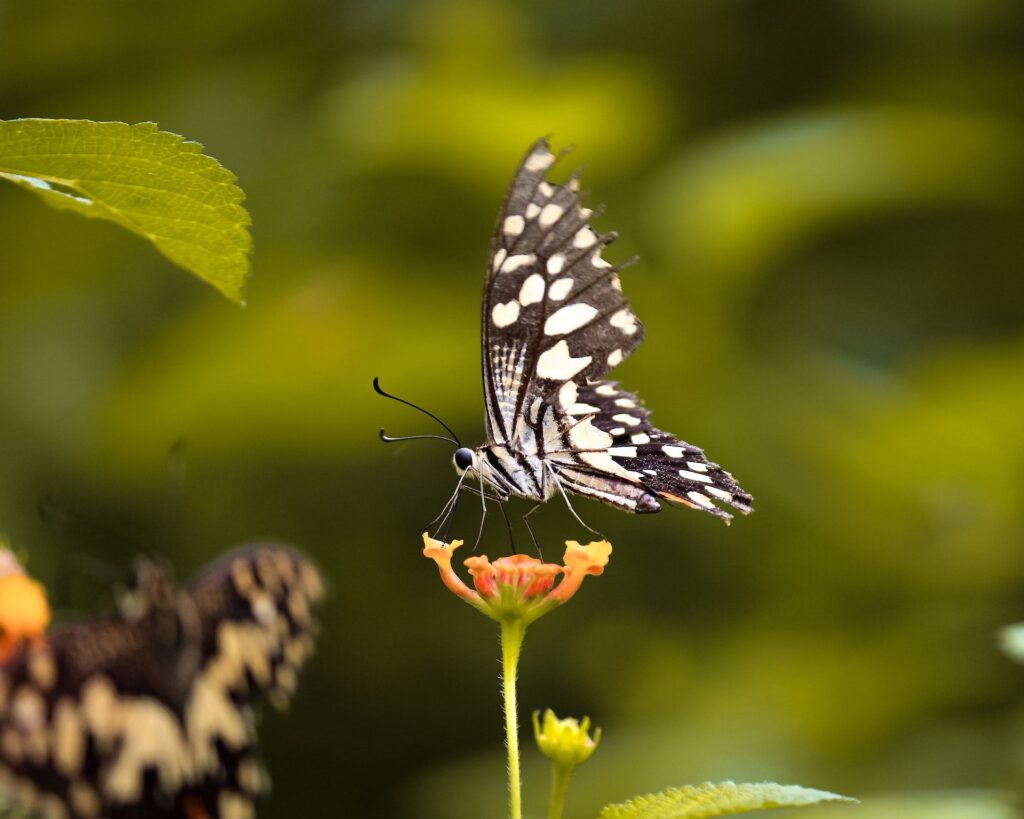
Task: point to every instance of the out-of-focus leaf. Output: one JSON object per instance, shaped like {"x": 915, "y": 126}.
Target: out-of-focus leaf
{"x": 293, "y": 371}
{"x": 157, "y": 184}
{"x": 740, "y": 200}
{"x": 1011, "y": 640}
{"x": 722, "y": 799}
{"x": 475, "y": 57}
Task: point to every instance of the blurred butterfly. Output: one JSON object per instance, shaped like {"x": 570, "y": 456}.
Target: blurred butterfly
{"x": 554, "y": 324}
{"x": 149, "y": 713}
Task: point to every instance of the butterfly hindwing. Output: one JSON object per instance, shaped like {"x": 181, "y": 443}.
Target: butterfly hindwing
{"x": 148, "y": 713}
{"x": 607, "y": 433}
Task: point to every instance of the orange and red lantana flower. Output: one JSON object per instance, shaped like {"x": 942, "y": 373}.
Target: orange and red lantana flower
{"x": 518, "y": 586}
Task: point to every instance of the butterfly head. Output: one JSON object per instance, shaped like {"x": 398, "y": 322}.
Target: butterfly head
{"x": 464, "y": 459}
{"x": 474, "y": 465}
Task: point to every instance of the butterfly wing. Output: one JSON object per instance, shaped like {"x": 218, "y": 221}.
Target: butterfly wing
{"x": 553, "y": 309}
{"x": 555, "y": 322}
{"x": 150, "y": 715}
{"x": 622, "y": 446}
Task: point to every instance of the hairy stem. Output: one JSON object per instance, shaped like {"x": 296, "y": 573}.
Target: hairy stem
{"x": 512, "y": 633}
{"x": 559, "y": 785}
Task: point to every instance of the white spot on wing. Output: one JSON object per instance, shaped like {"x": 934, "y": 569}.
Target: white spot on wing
{"x": 584, "y": 238}
{"x": 517, "y": 261}
{"x": 550, "y": 214}
{"x": 694, "y": 476}
{"x": 499, "y": 257}
{"x": 718, "y": 493}
{"x": 625, "y": 321}
{"x": 628, "y": 403}
{"x": 505, "y": 314}
{"x": 583, "y": 409}
{"x": 546, "y": 189}
{"x": 606, "y": 389}
{"x": 623, "y": 451}
{"x": 560, "y": 288}
{"x": 697, "y": 466}
{"x": 614, "y": 358}
{"x": 604, "y": 462}
{"x": 532, "y": 290}
{"x": 597, "y": 261}
{"x": 672, "y": 451}
{"x": 628, "y": 420}
{"x": 569, "y": 318}
{"x": 557, "y": 364}
{"x": 532, "y": 210}
{"x": 617, "y": 430}
{"x": 586, "y": 436}
{"x": 700, "y": 500}
{"x": 556, "y": 263}
{"x": 514, "y": 225}
{"x": 567, "y": 394}
{"x": 540, "y": 161}
{"x": 640, "y": 438}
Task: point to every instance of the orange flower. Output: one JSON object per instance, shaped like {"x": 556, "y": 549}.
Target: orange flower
{"x": 518, "y": 586}
{"x": 24, "y": 610}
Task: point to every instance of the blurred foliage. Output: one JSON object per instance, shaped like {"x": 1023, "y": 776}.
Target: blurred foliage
{"x": 827, "y": 202}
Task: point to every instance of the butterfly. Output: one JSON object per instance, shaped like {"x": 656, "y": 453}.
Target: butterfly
{"x": 554, "y": 324}
{"x": 149, "y": 713}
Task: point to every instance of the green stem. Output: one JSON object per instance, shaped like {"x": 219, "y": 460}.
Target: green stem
{"x": 512, "y": 633}
{"x": 559, "y": 785}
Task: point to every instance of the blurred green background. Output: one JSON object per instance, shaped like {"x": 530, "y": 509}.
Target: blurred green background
{"x": 827, "y": 200}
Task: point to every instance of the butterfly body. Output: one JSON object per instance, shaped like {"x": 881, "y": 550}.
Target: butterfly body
{"x": 554, "y": 323}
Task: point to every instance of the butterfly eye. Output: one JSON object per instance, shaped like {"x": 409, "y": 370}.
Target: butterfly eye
{"x": 463, "y": 458}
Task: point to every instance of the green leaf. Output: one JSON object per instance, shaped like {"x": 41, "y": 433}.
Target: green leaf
{"x": 707, "y": 800}
{"x": 157, "y": 184}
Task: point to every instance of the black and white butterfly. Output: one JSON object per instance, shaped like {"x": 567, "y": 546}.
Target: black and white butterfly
{"x": 149, "y": 713}
{"x": 554, "y": 324}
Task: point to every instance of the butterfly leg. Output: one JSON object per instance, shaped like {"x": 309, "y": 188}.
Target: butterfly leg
{"x": 483, "y": 512}
{"x": 572, "y": 511}
{"x": 501, "y": 505}
{"x": 529, "y": 528}
{"x": 449, "y": 507}
{"x": 508, "y": 526}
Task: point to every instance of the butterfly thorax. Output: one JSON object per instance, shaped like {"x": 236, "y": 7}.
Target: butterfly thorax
{"x": 506, "y": 471}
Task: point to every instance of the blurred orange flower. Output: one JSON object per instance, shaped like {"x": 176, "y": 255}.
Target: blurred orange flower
{"x": 24, "y": 610}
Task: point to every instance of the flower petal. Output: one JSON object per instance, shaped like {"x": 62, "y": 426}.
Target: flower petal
{"x": 441, "y": 553}
{"x": 579, "y": 562}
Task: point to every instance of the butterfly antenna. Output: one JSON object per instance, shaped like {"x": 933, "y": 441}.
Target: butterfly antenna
{"x": 388, "y": 439}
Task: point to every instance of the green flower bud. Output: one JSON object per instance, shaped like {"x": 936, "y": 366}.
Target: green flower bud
{"x": 566, "y": 742}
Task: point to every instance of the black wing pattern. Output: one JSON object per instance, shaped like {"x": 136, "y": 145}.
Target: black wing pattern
{"x": 149, "y": 713}
{"x": 555, "y": 322}
{"x": 669, "y": 468}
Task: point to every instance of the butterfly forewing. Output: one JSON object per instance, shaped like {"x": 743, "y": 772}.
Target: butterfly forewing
{"x": 149, "y": 713}
{"x": 553, "y": 308}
